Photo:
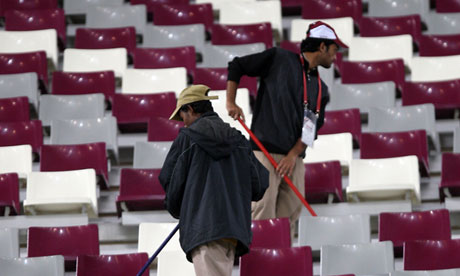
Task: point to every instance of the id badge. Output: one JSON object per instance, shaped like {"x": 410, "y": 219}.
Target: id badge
{"x": 309, "y": 127}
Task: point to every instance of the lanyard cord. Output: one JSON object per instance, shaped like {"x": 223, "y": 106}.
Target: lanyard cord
{"x": 305, "y": 96}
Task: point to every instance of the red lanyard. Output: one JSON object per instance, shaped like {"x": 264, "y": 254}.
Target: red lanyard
{"x": 305, "y": 96}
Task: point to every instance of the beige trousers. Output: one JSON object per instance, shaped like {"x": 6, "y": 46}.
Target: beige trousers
{"x": 214, "y": 258}
{"x": 279, "y": 200}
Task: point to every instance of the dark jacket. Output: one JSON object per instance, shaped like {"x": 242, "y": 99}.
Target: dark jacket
{"x": 210, "y": 176}
{"x": 278, "y": 112}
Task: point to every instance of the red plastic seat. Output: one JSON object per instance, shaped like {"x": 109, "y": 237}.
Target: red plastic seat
{"x": 76, "y": 157}
{"x": 114, "y": 265}
{"x": 348, "y": 120}
{"x": 242, "y": 34}
{"x": 322, "y": 180}
{"x": 75, "y": 83}
{"x": 396, "y": 144}
{"x": 9, "y": 193}
{"x": 14, "y": 109}
{"x": 163, "y": 129}
{"x": 71, "y": 242}
{"x": 443, "y": 94}
{"x": 395, "y": 25}
{"x": 37, "y": 19}
{"x": 271, "y": 233}
{"x": 291, "y": 46}
{"x": 22, "y": 133}
{"x": 133, "y": 111}
{"x": 89, "y": 38}
{"x": 439, "y": 45}
{"x": 152, "y": 3}
{"x": 373, "y": 71}
{"x": 26, "y": 62}
{"x": 431, "y": 254}
{"x": 156, "y": 58}
{"x": 216, "y": 79}
{"x": 178, "y": 14}
{"x": 447, "y": 6}
{"x": 291, "y": 7}
{"x": 410, "y": 226}
{"x": 275, "y": 262}
{"x": 140, "y": 190}
{"x": 26, "y": 5}
{"x": 450, "y": 178}
{"x": 322, "y": 9}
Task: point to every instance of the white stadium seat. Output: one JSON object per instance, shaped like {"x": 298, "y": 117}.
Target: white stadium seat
{"x": 84, "y": 60}
{"x": 147, "y": 81}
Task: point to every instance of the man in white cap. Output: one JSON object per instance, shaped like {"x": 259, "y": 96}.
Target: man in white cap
{"x": 289, "y": 109}
{"x": 210, "y": 177}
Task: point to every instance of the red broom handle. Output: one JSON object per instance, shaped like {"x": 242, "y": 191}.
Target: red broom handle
{"x": 270, "y": 158}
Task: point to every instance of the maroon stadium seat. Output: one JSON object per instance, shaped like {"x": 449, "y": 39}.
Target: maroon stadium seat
{"x": 183, "y": 15}
{"x": 431, "y": 254}
{"x": 163, "y": 129}
{"x": 113, "y": 265}
{"x": 26, "y": 62}
{"x": 26, "y": 5}
{"x": 450, "y": 178}
{"x": 348, "y": 120}
{"x": 439, "y": 45}
{"x": 322, "y": 9}
{"x": 152, "y": 3}
{"x": 291, "y": 46}
{"x": 22, "y": 133}
{"x": 447, "y": 6}
{"x": 14, "y": 109}
{"x": 395, "y": 25}
{"x": 9, "y": 193}
{"x": 322, "y": 180}
{"x": 242, "y": 34}
{"x": 89, "y": 38}
{"x": 271, "y": 233}
{"x": 216, "y": 79}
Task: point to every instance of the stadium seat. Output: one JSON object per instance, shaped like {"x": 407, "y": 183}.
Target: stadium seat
{"x": 443, "y": 94}
{"x": 162, "y": 129}
{"x": 384, "y": 179}
{"x": 38, "y": 266}
{"x": 381, "y": 48}
{"x": 405, "y": 118}
{"x": 71, "y": 242}
{"x": 25, "y": 63}
{"x": 68, "y": 107}
{"x": 106, "y": 38}
{"x": 323, "y": 182}
{"x": 72, "y": 7}
{"x": 140, "y": 190}
{"x": 386, "y": 8}
{"x": 242, "y": 34}
{"x": 14, "y": 109}
{"x": 115, "y": 265}
{"x": 55, "y": 158}
{"x": 317, "y": 9}
{"x": 358, "y": 259}
{"x": 219, "y": 55}
{"x": 279, "y": 261}
{"x": 117, "y": 16}
{"x": 174, "y": 263}
{"x": 250, "y": 12}
{"x": 15, "y": 42}
{"x": 373, "y": 71}
{"x": 394, "y": 25}
{"x": 22, "y": 133}
{"x": 339, "y": 121}
{"x": 431, "y": 254}
{"x": 216, "y": 79}
{"x": 402, "y": 227}
{"x": 271, "y": 233}
{"x": 175, "y": 36}
{"x": 343, "y": 27}
{"x": 150, "y": 155}
{"x": 439, "y": 45}
{"x": 68, "y": 83}
{"x": 27, "y": 5}
{"x": 450, "y": 179}
{"x": 331, "y": 147}
{"x": 435, "y": 68}
{"x": 9, "y": 243}
{"x": 183, "y": 14}
{"x": 396, "y": 144}
{"x": 9, "y": 195}
{"x": 440, "y": 272}
{"x": 61, "y": 192}
{"x": 447, "y": 6}
{"x": 133, "y": 111}
{"x": 83, "y": 131}
{"x": 40, "y": 19}
{"x": 152, "y": 235}
{"x": 443, "y": 23}
{"x": 152, "y": 3}
{"x": 157, "y": 58}
{"x": 290, "y": 45}
{"x": 20, "y": 85}
{"x": 16, "y": 159}
{"x": 94, "y": 60}
{"x": 147, "y": 81}
{"x": 457, "y": 140}
{"x": 334, "y": 230}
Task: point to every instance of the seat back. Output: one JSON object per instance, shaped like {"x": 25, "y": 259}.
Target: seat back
{"x": 216, "y": 79}
{"x": 331, "y": 147}
{"x": 315, "y": 9}
{"x": 183, "y": 14}
{"x": 162, "y": 129}
{"x": 343, "y": 26}
{"x": 38, "y": 266}
{"x": 94, "y": 60}
{"x": 443, "y": 23}
{"x": 68, "y": 83}
{"x": 139, "y": 81}
{"x": 114, "y": 16}
{"x": 339, "y": 121}
{"x": 321, "y": 180}
{"x": 67, "y": 107}
{"x": 440, "y": 68}
{"x": 457, "y": 140}
{"x": 242, "y": 34}
{"x": 447, "y": 6}
{"x": 105, "y": 38}
{"x": 152, "y": 3}
{"x": 395, "y": 25}
{"x": 389, "y": 8}
{"x": 16, "y": 159}
{"x": 27, "y": 5}
{"x": 14, "y": 109}
{"x": 440, "y": 272}
{"x": 174, "y": 263}
{"x": 20, "y": 85}
{"x": 335, "y": 230}
{"x": 116, "y": 265}
{"x": 443, "y": 94}
{"x": 450, "y": 179}
{"x": 175, "y": 36}
{"x": 219, "y": 55}
{"x": 271, "y": 233}
{"x": 431, "y": 254}
{"x": 152, "y": 235}
{"x": 150, "y": 155}
{"x": 9, "y": 242}
{"x": 9, "y": 194}
{"x": 22, "y": 133}
{"x": 72, "y": 7}
{"x": 429, "y": 45}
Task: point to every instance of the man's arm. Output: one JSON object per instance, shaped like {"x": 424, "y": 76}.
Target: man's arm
{"x": 286, "y": 165}
{"x": 233, "y": 109}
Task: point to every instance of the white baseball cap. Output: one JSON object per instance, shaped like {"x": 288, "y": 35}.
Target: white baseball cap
{"x": 322, "y": 30}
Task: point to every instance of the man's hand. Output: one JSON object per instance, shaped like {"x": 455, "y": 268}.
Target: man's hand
{"x": 286, "y": 165}
{"x": 235, "y": 111}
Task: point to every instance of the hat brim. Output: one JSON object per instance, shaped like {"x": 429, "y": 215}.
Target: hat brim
{"x": 175, "y": 115}
{"x": 340, "y": 43}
